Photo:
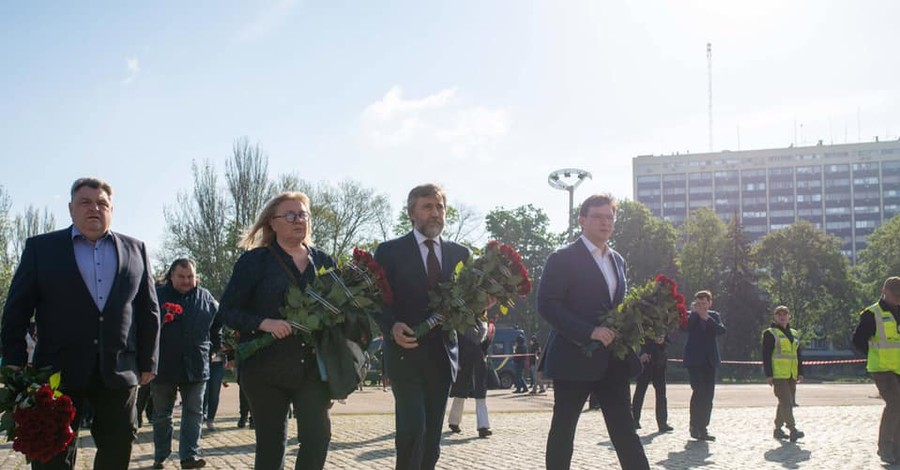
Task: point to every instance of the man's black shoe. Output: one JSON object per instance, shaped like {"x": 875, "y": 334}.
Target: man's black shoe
{"x": 796, "y": 434}
{"x": 242, "y": 422}
{"x": 454, "y": 428}
{"x": 484, "y": 432}
{"x": 193, "y": 463}
{"x": 779, "y": 434}
{"x": 707, "y": 437}
{"x": 159, "y": 465}
{"x": 666, "y": 428}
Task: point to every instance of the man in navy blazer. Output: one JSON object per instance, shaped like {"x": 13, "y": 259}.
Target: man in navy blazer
{"x": 90, "y": 291}
{"x": 581, "y": 282}
{"x": 701, "y": 357}
{"x": 421, "y": 370}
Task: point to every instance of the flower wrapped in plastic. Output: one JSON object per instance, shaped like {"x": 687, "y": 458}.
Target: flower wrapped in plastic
{"x": 344, "y": 296}
{"x": 650, "y": 311}
{"x": 458, "y": 304}
{"x": 35, "y": 415}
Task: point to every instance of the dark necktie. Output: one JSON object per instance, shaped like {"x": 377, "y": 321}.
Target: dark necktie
{"x": 432, "y": 265}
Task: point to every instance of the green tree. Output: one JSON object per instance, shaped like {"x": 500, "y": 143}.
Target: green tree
{"x": 880, "y": 258}
{"x": 700, "y": 258}
{"x": 7, "y": 255}
{"x": 200, "y": 226}
{"x": 525, "y": 228}
{"x": 30, "y": 223}
{"x": 345, "y": 215}
{"x": 646, "y": 243}
{"x": 802, "y": 268}
{"x": 741, "y": 304}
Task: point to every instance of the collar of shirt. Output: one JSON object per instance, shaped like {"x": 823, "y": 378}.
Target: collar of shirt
{"x": 76, "y": 234}
{"x": 592, "y": 248}
{"x": 423, "y": 248}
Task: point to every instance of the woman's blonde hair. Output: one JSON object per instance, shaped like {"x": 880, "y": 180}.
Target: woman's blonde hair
{"x": 261, "y": 233}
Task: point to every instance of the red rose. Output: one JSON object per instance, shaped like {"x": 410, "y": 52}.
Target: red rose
{"x": 169, "y": 317}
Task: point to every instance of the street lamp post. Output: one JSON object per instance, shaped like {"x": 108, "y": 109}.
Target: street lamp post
{"x": 568, "y": 179}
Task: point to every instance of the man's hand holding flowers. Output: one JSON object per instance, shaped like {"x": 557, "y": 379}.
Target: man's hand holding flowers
{"x": 649, "y": 311}
{"x": 498, "y": 276}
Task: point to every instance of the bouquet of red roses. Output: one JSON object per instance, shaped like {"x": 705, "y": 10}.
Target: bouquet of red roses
{"x": 35, "y": 416}
{"x": 458, "y": 304}
{"x": 347, "y": 294}
{"x": 172, "y": 311}
{"x": 649, "y": 311}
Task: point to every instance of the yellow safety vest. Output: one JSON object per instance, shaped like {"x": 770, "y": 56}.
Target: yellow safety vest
{"x": 784, "y": 356}
{"x": 884, "y": 347}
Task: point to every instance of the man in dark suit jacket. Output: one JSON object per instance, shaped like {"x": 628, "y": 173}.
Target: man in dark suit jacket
{"x": 580, "y": 282}
{"x": 91, "y": 293}
{"x": 421, "y": 370}
{"x": 701, "y": 357}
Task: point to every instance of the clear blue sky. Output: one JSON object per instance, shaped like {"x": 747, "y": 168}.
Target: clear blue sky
{"x": 484, "y": 97}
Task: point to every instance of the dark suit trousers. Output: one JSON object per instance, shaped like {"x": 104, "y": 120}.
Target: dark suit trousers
{"x": 419, "y": 405}
{"x": 657, "y": 375}
{"x": 613, "y": 396}
{"x": 113, "y": 428}
{"x": 703, "y": 385}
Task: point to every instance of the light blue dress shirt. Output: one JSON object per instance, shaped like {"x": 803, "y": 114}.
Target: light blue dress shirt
{"x": 98, "y": 263}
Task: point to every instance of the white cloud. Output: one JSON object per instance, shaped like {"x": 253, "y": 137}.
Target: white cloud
{"x": 439, "y": 120}
{"x": 133, "y": 67}
{"x": 268, "y": 19}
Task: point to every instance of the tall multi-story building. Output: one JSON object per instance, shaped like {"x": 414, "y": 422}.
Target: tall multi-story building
{"x": 848, "y": 189}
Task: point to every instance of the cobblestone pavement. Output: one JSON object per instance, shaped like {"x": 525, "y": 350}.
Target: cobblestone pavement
{"x": 838, "y": 437}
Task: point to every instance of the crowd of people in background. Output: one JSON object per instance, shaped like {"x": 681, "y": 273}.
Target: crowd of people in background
{"x": 84, "y": 302}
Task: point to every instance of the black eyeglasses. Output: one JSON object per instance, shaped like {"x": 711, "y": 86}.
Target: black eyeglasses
{"x": 292, "y": 217}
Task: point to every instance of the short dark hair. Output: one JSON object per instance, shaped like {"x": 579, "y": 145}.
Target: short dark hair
{"x": 704, "y": 294}
{"x": 424, "y": 190}
{"x": 184, "y": 263}
{"x": 91, "y": 182}
{"x": 597, "y": 200}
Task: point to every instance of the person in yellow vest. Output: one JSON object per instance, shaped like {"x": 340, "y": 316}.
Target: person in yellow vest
{"x": 783, "y": 368}
{"x": 877, "y": 336}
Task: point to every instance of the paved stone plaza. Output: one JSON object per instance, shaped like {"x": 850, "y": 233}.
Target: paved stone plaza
{"x": 840, "y": 422}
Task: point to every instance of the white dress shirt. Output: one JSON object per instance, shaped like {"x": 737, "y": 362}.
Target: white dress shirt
{"x": 604, "y": 261}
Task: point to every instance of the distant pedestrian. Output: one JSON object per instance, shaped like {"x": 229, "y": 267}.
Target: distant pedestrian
{"x": 877, "y": 336}
{"x": 520, "y": 351}
{"x": 701, "y": 357}
{"x": 784, "y": 370}
{"x": 653, "y": 356}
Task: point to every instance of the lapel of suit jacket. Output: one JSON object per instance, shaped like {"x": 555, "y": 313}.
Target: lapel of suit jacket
{"x": 599, "y": 273}
{"x": 122, "y": 260}
{"x": 413, "y": 251}
{"x": 70, "y": 261}
{"x": 620, "y": 278}
{"x": 447, "y": 265}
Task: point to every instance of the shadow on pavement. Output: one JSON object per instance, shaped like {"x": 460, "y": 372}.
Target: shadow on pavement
{"x": 335, "y": 445}
{"x": 695, "y": 454}
{"x": 788, "y": 454}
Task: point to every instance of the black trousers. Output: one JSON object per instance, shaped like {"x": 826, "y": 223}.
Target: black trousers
{"x": 612, "y": 394}
{"x": 703, "y": 386}
{"x": 269, "y": 405}
{"x": 113, "y": 428}
{"x": 419, "y": 407}
{"x": 657, "y": 375}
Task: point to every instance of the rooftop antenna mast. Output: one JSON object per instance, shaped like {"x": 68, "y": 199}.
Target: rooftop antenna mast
{"x": 709, "y": 81}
